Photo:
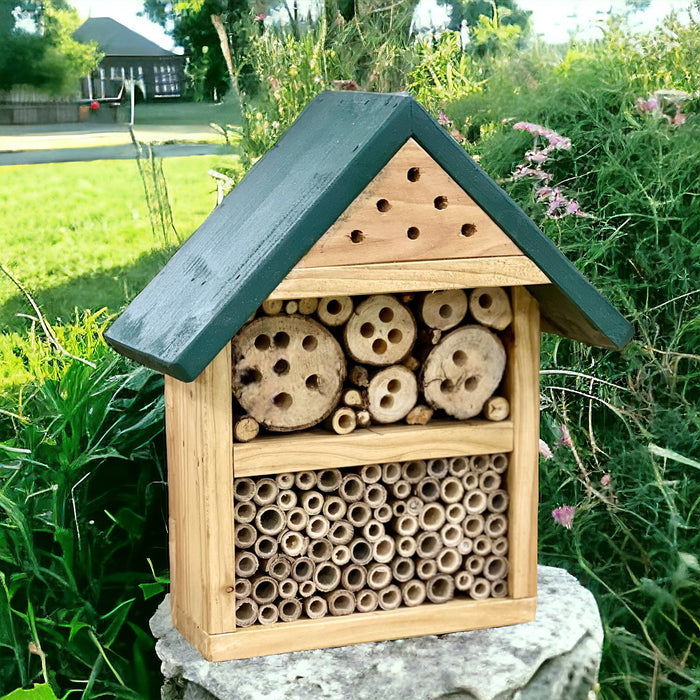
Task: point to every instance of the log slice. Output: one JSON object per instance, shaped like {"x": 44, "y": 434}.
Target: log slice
{"x": 443, "y": 310}
{"x": 391, "y": 394}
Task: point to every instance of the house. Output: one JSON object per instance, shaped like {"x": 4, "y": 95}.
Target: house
{"x": 127, "y": 55}
{"x": 366, "y": 276}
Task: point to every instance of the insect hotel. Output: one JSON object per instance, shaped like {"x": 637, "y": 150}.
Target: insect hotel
{"x": 350, "y": 344}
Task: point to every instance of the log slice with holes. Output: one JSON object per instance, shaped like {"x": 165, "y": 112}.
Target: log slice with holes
{"x": 288, "y": 371}
{"x": 463, "y": 370}
{"x": 391, "y": 394}
{"x": 443, "y": 310}
{"x": 380, "y": 332}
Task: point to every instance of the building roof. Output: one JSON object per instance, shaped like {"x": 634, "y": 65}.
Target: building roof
{"x": 114, "y": 39}
{"x": 289, "y": 199}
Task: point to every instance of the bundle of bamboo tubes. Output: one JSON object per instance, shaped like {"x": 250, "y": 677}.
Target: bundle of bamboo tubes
{"x": 349, "y": 362}
{"x": 334, "y": 542}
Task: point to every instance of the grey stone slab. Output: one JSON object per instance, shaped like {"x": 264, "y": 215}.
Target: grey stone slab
{"x": 553, "y": 658}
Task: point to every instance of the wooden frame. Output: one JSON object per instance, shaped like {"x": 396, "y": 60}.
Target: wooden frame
{"x": 201, "y": 464}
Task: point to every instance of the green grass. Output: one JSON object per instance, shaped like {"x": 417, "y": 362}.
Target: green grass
{"x": 182, "y": 113}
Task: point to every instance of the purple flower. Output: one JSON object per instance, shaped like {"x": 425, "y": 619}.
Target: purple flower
{"x": 545, "y": 451}
{"x": 565, "y": 436}
{"x": 573, "y": 207}
{"x": 564, "y": 516}
{"x": 536, "y": 156}
{"x": 605, "y": 480}
{"x": 443, "y": 119}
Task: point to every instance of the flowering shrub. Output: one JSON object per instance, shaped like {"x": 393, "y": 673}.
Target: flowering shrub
{"x": 665, "y": 104}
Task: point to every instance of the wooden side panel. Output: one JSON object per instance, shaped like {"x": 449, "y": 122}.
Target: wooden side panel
{"x": 522, "y": 385}
{"x": 416, "y": 276}
{"x": 412, "y": 210}
{"x": 200, "y": 467}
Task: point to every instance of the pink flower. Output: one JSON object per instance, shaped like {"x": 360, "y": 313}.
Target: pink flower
{"x": 260, "y": 17}
{"x": 564, "y": 516}
{"x": 565, "y": 436}
{"x": 536, "y": 156}
{"x": 274, "y": 83}
{"x": 443, "y": 119}
{"x": 573, "y": 208}
{"x": 679, "y": 118}
{"x": 605, "y": 480}
{"x": 545, "y": 451}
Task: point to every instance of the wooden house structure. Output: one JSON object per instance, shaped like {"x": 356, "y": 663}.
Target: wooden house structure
{"x": 366, "y": 276}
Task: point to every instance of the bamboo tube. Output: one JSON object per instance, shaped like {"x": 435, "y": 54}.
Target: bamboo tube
{"x": 312, "y": 502}
{"x": 279, "y": 567}
{"x": 363, "y": 418}
{"x": 334, "y": 508}
{"x": 266, "y": 491}
{"x": 499, "y": 589}
{"x": 390, "y": 597}
{"x": 401, "y": 489}
{"x": 293, "y": 544}
{"x": 319, "y": 550}
{"x": 342, "y": 421}
{"x": 366, "y": 600}
{"x": 378, "y": 576}
{"x": 290, "y": 610}
{"x": 341, "y": 602}
{"x": 246, "y": 612}
{"x": 428, "y": 489}
{"x": 245, "y": 512}
{"x": 340, "y": 554}
{"x": 375, "y": 495}
{"x": 399, "y": 508}
{"x": 272, "y": 307}
{"x": 480, "y": 589}
{"x": 245, "y": 428}
{"x": 403, "y": 569}
{"x": 373, "y": 530}
{"x": 413, "y": 593}
{"x": 285, "y": 481}
{"x": 463, "y": 581}
{"x": 498, "y": 501}
{"x": 432, "y": 517}
{"x": 359, "y": 376}
{"x": 414, "y": 471}
{"x": 474, "y": 564}
{"x": 437, "y": 468}
{"x": 383, "y": 549}
{"x": 318, "y": 527}
{"x": 329, "y": 480}
{"x": 297, "y": 519}
{"x": 305, "y": 481}
{"x": 341, "y": 532}
{"x": 243, "y": 588}
{"x": 288, "y": 588}
{"x": 420, "y": 414}
{"x": 495, "y": 568}
{"x": 451, "y": 490}
{"x": 270, "y": 520}
{"x": 264, "y": 589}
{"x": 455, "y": 513}
{"x": 499, "y": 463}
{"x": 291, "y": 307}
{"x": 428, "y": 544}
{"x": 490, "y": 306}
{"x": 479, "y": 463}
{"x": 245, "y": 536}
{"x": 426, "y": 569}
{"x": 451, "y": 534}
{"x": 302, "y": 569}
{"x": 354, "y": 577}
{"x": 308, "y": 305}
{"x": 470, "y": 481}
{"x": 334, "y": 311}
{"x": 448, "y": 560}
{"x": 499, "y": 547}
{"x": 405, "y": 525}
{"x": 496, "y": 408}
{"x": 391, "y": 473}
{"x": 473, "y": 525}
{"x": 286, "y": 499}
{"x": 307, "y": 589}
{"x": 496, "y": 525}
{"x": 360, "y": 551}
{"x": 458, "y": 466}
{"x": 243, "y": 489}
{"x": 354, "y": 398}
{"x": 351, "y": 488}
{"x": 266, "y": 546}
{"x": 489, "y": 481}
{"x": 482, "y": 545}
{"x": 268, "y": 614}
{"x": 475, "y": 501}
{"x": 465, "y": 546}
{"x": 315, "y": 607}
{"x": 440, "y": 588}
{"x": 406, "y": 546}
{"x": 246, "y": 564}
{"x": 358, "y": 514}
{"x": 383, "y": 514}
{"x": 327, "y": 577}
{"x": 414, "y": 505}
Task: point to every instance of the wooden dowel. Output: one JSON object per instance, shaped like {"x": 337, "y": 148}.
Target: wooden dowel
{"x": 243, "y": 588}
{"x": 475, "y": 501}
{"x": 246, "y": 564}
{"x": 302, "y": 569}
{"x": 420, "y": 414}
{"x": 490, "y": 306}
{"x": 403, "y": 569}
{"x": 375, "y": 495}
{"x": 266, "y": 546}
{"x": 406, "y": 545}
{"x": 245, "y": 428}
{"x": 440, "y": 588}
{"x": 296, "y": 519}
{"x": 290, "y": 610}
{"x": 307, "y": 589}
{"x": 291, "y": 307}
{"x": 341, "y": 532}
{"x": 426, "y": 569}
{"x": 264, "y": 589}
{"x": 366, "y": 600}
{"x": 448, "y": 560}
{"x": 358, "y": 514}
{"x": 473, "y": 525}
{"x": 341, "y": 602}
{"x": 391, "y": 472}
{"x": 474, "y": 564}
{"x": 318, "y": 527}
{"x": 340, "y": 554}
{"x": 455, "y": 513}
{"x": 270, "y": 520}
{"x": 334, "y": 508}
{"x": 384, "y": 513}
{"x": 480, "y": 589}
{"x": 266, "y": 491}
{"x": 496, "y": 408}
{"x": 319, "y": 550}
{"x": 463, "y": 581}
{"x": 390, "y": 597}
{"x": 315, "y": 607}
{"x": 312, "y": 502}
{"x": 413, "y": 592}
{"x": 308, "y": 305}
{"x": 246, "y": 612}
{"x": 279, "y": 567}
{"x": 383, "y": 549}
{"x": 489, "y": 481}
{"x": 334, "y": 311}
{"x": 342, "y": 421}
{"x": 360, "y": 551}
{"x": 378, "y": 576}
{"x": 245, "y": 512}
{"x": 499, "y": 463}
{"x": 498, "y": 501}
{"x": 428, "y": 545}
{"x": 288, "y": 588}
{"x": 243, "y": 489}
{"x": 268, "y": 614}
{"x": 373, "y": 530}
{"x": 272, "y": 307}
{"x": 327, "y": 577}
{"x": 285, "y": 481}
{"x": 354, "y": 577}
{"x": 414, "y": 471}
{"x": 329, "y": 480}
{"x": 432, "y": 517}
{"x": 305, "y": 481}
{"x": 351, "y": 488}
{"x": 451, "y": 534}
{"x": 244, "y": 536}
{"x": 496, "y": 525}
{"x": 458, "y": 466}
{"x": 451, "y": 490}
{"x": 499, "y": 589}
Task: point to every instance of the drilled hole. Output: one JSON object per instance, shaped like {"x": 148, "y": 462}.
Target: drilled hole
{"x": 281, "y": 339}
{"x": 413, "y": 174}
{"x": 413, "y": 232}
{"x": 262, "y": 342}
{"x": 312, "y": 382}
{"x": 459, "y": 358}
{"x": 333, "y": 307}
{"x": 309, "y": 343}
{"x": 383, "y": 205}
{"x": 283, "y": 400}
{"x": 471, "y": 383}
{"x": 485, "y": 301}
{"x": 394, "y": 385}
{"x": 357, "y": 236}
{"x": 395, "y": 336}
{"x": 440, "y": 202}
{"x": 281, "y": 367}
{"x": 250, "y": 376}
{"x": 446, "y": 386}
{"x": 445, "y": 311}
{"x": 386, "y": 401}
{"x": 386, "y": 315}
{"x": 379, "y": 346}
{"x": 366, "y": 330}
{"x": 468, "y": 230}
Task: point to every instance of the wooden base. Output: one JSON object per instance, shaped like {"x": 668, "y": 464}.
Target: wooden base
{"x": 280, "y": 638}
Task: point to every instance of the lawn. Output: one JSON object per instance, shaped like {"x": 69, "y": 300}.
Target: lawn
{"x": 183, "y": 113}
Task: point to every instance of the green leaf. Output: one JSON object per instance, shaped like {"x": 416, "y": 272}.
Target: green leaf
{"x": 40, "y": 691}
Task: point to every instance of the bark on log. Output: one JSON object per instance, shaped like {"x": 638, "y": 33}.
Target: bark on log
{"x": 419, "y": 415}
{"x": 443, "y": 310}
{"x": 334, "y": 311}
{"x": 490, "y": 306}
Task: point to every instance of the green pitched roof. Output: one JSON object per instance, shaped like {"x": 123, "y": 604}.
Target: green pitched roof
{"x": 289, "y": 199}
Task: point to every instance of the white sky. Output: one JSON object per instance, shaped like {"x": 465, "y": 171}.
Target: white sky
{"x": 553, "y": 19}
